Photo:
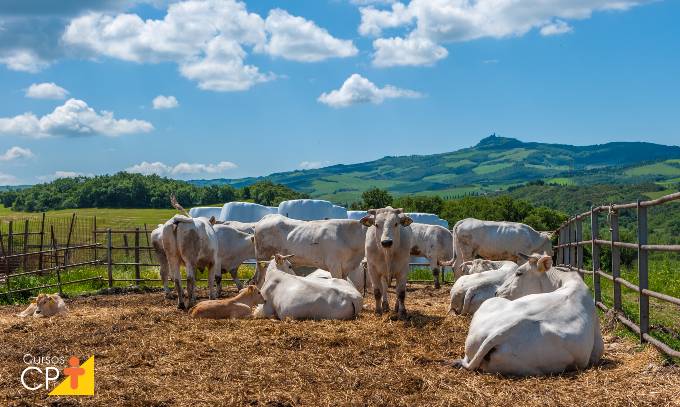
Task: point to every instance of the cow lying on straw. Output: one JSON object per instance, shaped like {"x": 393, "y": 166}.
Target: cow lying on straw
{"x": 44, "y": 306}
{"x": 239, "y": 307}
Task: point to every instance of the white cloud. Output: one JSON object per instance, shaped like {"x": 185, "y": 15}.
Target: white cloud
{"x": 24, "y": 60}
{"x": 7, "y": 179}
{"x": 62, "y": 174}
{"x": 73, "y": 118}
{"x": 310, "y": 165}
{"x": 358, "y": 89}
{"x": 165, "y": 102}
{"x": 46, "y": 90}
{"x": 409, "y": 51}
{"x": 445, "y": 21}
{"x": 298, "y": 39}
{"x": 16, "y": 153}
{"x": 556, "y": 28}
{"x": 208, "y": 39}
{"x": 181, "y": 169}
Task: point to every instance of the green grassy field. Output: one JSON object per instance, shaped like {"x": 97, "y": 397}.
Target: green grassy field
{"x": 112, "y": 218}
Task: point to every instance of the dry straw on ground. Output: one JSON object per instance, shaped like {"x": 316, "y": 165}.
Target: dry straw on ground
{"x": 150, "y": 354}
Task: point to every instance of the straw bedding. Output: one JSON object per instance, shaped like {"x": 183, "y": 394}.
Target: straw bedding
{"x": 150, "y": 354}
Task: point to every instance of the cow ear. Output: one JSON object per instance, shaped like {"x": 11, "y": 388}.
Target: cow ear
{"x": 399, "y": 210}
{"x": 367, "y": 220}
{"x": 544, "y": 264}
{"x": 405, "y": 220}
{"x": 372, "y": 211}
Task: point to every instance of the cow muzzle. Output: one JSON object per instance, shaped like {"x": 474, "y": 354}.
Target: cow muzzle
{"x": 386, "y": 243}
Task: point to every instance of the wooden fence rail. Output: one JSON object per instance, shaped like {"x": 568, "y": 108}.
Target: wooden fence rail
{"x": 570, "y": 255}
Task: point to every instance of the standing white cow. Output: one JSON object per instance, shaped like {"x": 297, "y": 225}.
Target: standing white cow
{"x": 296, "y": 297}
{"x": 480, "y": 283}
{"x": 433, "y": 242}
{"x": 496, "y": 241}
{"x": 543, "y": 322}
{"x": 336, "y": 245}
{"x": 234, "y": 247}
{"x": 192, "y": 242}
{"x": 388, "y": 248}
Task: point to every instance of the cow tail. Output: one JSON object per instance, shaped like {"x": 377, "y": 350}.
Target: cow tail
{"x": 486, "y": 348}
{"x": 354, "y": 311}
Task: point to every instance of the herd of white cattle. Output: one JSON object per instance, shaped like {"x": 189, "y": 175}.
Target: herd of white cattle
{"x": 528, "y": 317}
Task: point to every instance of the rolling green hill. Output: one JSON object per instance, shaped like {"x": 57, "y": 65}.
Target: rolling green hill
{"x": 494, "y": 164}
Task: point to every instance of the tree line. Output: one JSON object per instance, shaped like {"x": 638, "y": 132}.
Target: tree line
{"x": 125, "y": 190}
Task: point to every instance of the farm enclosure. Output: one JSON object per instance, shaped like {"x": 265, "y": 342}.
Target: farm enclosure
{"x": 149, "y": 353}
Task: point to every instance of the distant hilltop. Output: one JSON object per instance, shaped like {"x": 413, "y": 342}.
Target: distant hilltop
{"x": 495, "y": 163}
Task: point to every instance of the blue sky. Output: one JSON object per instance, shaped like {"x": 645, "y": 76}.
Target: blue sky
{"x": 250, "y": 88}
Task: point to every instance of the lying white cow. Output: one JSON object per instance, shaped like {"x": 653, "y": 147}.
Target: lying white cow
{"x": 433, "y": 242}
{"x": 496, "y": 241}
{"x": 295, "y": 297}
{"x": 543, "y": 322}
{"x": 336, "y": 245}
{"x": 44, "y": 306}
{"x": 484, "y": 278}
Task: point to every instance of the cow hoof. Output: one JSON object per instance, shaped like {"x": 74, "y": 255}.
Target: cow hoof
{"x": 458, "y": 364}
{"x": 181, "y": 306}
{"x": 402, "y": 315}
{"x": 437, "y": 286}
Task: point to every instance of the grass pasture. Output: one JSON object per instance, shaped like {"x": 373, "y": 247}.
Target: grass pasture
{"x": 147, "y": 353}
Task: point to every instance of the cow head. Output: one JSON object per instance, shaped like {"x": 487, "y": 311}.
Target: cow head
{"x": 47, "y": 304}
{"x": 253, "y": 295}
{"x": 478, "y": 266}
{"x": 386, "y": 224}
{"x": 529, "y": 278}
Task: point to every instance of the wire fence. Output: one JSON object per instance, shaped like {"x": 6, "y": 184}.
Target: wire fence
{"x": 570, "y": 254}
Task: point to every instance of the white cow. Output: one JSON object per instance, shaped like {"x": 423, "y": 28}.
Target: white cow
{"x": 234, "y": 247}
{"x": 245, "y": 227}
{"x": 318, "y": 273}
{"x": 192, "y": 242}
{"x": 484, "y": 278}
{"x": 388, "y": 247}
{"x": 295, "y": 297}
{"x": 543, "y": 322}
{"x": 496, "y": 241}
{"x": 336, "y": 245}
{"x": 433, "y": 242}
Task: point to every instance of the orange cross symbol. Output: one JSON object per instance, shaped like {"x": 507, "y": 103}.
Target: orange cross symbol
{"x": 74, "y": 371}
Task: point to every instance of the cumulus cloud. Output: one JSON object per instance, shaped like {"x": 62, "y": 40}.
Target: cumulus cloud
{"x": 358, "y": 89}
{"x": 165, "y": 102}
{"x": 310, "y": 165}
{"x": 298, "y": 39}
{"x": 24, "y": 60}
{"x": 73, "y": 118}
{"x": 46, "y": 90}
{"x": 556, "y": 28}
{"x": 7, "y": 179}
{"x": 208, "y": 39}
{"x": 444, "y": 21}
{"x": 62, "y": 174}
{"x": 181, "y": 169}
{"x": 16, "y": 153}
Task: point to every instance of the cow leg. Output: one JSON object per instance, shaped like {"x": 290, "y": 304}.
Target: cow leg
{"x": 435, "y": 273}
{"x": 383, "y": 287}
{"x": 191, "y": 286}
{"x": 234, "y": 276}
{"x": 378, "y": 298}
{"x": 173, "y": 270}
{"x": 401, "y": 294}
{"x": 211, "y": 281}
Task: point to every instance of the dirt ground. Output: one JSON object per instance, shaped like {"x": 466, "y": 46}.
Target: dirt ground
{"x": 148, "y": 353}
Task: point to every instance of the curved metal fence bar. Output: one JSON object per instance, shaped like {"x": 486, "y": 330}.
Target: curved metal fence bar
{"x": 569, "y": 253}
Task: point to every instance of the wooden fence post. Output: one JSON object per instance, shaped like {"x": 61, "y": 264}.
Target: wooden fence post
{"x": 595, "y": 252}
{"x": 7, "y": 271}
{"x": 570, "y": 240}
{"x": 109, "y": 259}
{"x": 10, "y": 243}
{"x": 127, "y": 246}
{"x": 55, "y": 256}
{"x": 68, "y": 239}
{"x": 643, "y": 271}
{"x": 137, "y": 271}
{"x": 25, "y": 259}
{"x": 94, "y": 238}
{"x": 148, "y": 244}
{"x": 42, "y": 242}
{"x": 616, "y": 258}
{"x": 560, "y": 242}
{"x": 579, "y": 247}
